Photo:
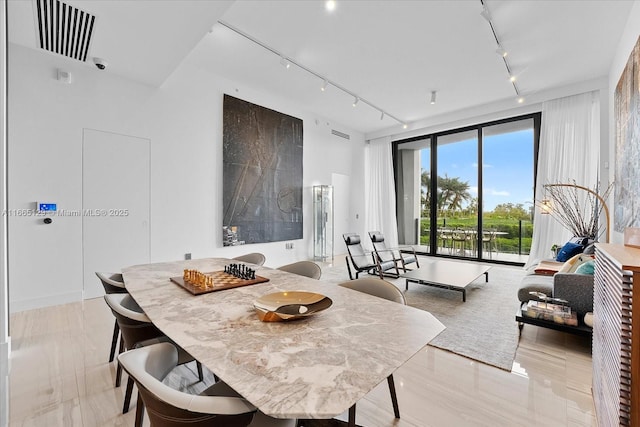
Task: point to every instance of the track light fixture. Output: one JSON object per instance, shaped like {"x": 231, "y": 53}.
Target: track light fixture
{"x": 433, "y": 97}
{"x": 485, "y": 13}
{"x": 286, "y": 62}
{"x": 500, "y": 50}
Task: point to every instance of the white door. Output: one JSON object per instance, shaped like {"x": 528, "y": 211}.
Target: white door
{"x": 115, "y": 205}
{"x": 340, "y": 185}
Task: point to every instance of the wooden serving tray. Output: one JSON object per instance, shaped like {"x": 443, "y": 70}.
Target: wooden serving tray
{"x": 221, "y": 281}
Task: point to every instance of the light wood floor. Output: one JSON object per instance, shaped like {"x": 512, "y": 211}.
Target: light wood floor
{"x": 59, "y": 376}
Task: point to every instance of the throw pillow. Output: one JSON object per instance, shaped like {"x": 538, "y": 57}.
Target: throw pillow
{"x": 586, "y": 268}
{"x": 574, "y": 262}
{"x": 568, "y": 250}
{"x": 569, "y": 264}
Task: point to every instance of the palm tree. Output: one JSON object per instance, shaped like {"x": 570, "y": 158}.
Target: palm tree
{"x": 425, "y": 185}
{"x": 453, "y": 193}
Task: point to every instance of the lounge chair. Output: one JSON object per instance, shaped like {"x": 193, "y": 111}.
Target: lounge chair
{"x": 387, "y": 254}
{"x": 363, "y": 262}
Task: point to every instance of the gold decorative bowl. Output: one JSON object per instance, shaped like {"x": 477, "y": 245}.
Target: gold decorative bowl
{"x": 290, "y": 305}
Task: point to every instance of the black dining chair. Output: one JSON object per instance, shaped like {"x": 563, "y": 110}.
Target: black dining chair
{"x": 113, "y": 283}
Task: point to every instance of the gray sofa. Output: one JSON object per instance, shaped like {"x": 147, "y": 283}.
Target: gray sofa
{"x": 577, "y": 289}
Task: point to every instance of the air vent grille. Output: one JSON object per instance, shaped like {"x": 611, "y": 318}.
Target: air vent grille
{"x": 340, "y": 134}
{"x": 63, "y": 29}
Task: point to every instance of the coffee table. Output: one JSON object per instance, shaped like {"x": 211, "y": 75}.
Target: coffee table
{"x": 455, "y": 276}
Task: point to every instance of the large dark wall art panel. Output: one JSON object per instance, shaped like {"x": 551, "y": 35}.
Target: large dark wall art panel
{"x": 262, "y": 174}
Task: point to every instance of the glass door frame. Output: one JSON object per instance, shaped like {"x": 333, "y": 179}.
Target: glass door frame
{"x": 433, "y": 243}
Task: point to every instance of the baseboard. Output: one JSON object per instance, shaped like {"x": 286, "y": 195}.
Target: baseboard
{"x": 46, "y": 301}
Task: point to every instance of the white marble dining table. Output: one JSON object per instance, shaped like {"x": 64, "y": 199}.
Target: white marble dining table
{"x": 315, "y": 367}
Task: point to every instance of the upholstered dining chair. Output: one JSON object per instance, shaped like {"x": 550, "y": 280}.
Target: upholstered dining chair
{"x": 113, "y": 283}
{"x": 384, "y": 252}
{"x": 137, "y": 330}
{"x": 253, "y": 258}
{"x": 303, "y": 268}
{"x": 382, "y": 289}
{"x": 217, "y": 405}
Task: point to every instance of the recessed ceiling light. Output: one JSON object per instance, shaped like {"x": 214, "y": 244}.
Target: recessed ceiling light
{"x": 330, "y": 5}
{"x": 355, "y": 101}
{"x": 324, "y": 85}
{"x": 404, "y": 126}
{"x": 433, "y": 97}
{"x": 520, "y": 100}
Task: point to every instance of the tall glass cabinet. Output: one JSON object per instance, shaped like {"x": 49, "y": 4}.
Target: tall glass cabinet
{"x": 323, "y": 222}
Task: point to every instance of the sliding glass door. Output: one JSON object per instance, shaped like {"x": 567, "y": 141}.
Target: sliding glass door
{"x": 507, "y": 189}
{"x": 457, "y": 193}
{"x": 449, "y": 205}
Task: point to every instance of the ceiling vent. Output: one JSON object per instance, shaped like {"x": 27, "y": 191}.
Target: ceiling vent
{"x": 340, "y": 134}
{"x": 63, "y": 29}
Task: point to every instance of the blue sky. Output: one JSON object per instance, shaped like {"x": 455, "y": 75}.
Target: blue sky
{"x": 508, "y": 167}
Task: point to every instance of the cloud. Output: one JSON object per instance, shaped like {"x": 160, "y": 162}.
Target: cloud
{"x": 484, "y": 165}
{"x": 498, "y": 192}
{"x": 473, "y": 190}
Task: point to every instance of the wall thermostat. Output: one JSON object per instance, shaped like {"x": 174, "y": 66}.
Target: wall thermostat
{"x": 46, "y": 207}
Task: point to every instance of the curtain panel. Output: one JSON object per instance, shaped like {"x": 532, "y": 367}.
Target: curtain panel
{"x": 379, "y": 191}
{"x": 569, "y": 151}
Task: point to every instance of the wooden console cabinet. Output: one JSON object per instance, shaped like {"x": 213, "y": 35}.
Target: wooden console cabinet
{"x": 616, "y": 336}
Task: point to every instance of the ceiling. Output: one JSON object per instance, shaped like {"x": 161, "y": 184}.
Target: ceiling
{"x": 390, "y": 53}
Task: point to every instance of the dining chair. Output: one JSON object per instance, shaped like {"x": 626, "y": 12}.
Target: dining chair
{"x": 113, "y": 283}
{"x": 380, "y": 247}
{"x": 444, "y": 236}
{"x": 253, "y": 258}
{"x": 489, "y": 242}
{"x": 382, "y": 289}
{"x": 459, "y": 238}
{"x": 217, "y": 405}
{"x": 303, "y": 268}
{"x": 136, "y": 331}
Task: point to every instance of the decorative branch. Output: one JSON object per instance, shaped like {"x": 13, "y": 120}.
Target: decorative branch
{"x": 580, "y": 215}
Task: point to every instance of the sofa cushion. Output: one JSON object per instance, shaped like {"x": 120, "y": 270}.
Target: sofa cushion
{"x": 535, "y": 283}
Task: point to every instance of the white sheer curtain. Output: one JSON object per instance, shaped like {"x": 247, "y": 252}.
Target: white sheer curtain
{"x": 569, "y": 151}
{"x": 379, "y": 191}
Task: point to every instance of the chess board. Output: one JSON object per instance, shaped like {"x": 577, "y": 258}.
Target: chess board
{"x": 221, "y": 281}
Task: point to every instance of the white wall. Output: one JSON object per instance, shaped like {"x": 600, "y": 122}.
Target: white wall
{"x": 5, "y": 347}
{"x": 625, "y": 46}
{"x": 183, "y": 120}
